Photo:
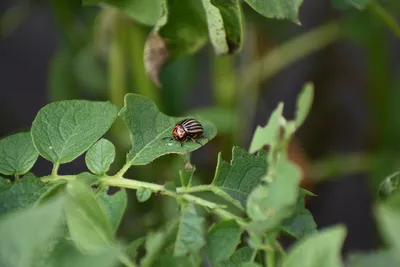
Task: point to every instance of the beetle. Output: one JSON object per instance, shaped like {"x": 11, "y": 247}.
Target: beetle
{"x": 187, "y": 129}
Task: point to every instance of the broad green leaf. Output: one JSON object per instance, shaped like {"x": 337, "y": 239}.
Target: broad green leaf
{"x": 100, "y": 156}
{"x": 373, "y": 259}
{"x": 304, "y": 103}
{"x": 23, "y": 233}
{"x": 157, "y": 241}
{"x": 225, "y": 25}
{"x": 169, "y": 40}
{"x": 279, "y": 9}
{"x": 143, "y": 194}
{"x": 5, "y": 184}
{"x": 239, "y": 257}
{"x": 190, "y": 238}
{"x": 359, "y": 4}
{"x": 17, "y": 154}
{"x": 21, "y": 193}
{"x": 186, "y": 176}
{"x": 301, "y": 222}
{"x": 249, "y": 264}
{"x": 115, "y": 205}
{"x": 389, "y": 220}
{"x": 269, "y": 134}
{"x": 88, "y": 223}
{"x": 269, "y": 204}
{"x": 67, "y": 255}
{"x": 241, "y": 176}
{"x": 63, "y": 130}
{"x": 148, "y": 126}
{"x": 222, "y": 240}
{"x": 143, "y": 11}
{"x": 318, "y": 249}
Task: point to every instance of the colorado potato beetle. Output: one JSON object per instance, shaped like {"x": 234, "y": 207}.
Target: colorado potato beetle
{"x": 187, "y": 129}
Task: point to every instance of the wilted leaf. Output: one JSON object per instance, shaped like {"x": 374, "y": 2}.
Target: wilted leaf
{"x": 148, "y": 127}
{"x": 17, "y": 154}
{"x": 63, "y": 130}
{"x": 169, "y": 40}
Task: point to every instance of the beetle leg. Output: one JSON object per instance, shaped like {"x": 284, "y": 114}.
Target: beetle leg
{"x": 194, "y": 140}
{"x": 202, "y": 136}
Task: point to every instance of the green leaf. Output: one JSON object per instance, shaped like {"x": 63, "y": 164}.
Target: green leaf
{"x": 239, "y": 257}
{"x": 190, "y": 238}
{"x": 304, "y": 103}
{"x": 156, "y": 242}
{"x": 318, "y": 249}
{"x": 279, "y": 9}
{"x": 169, "y": 40}
{"x": 241, "y": 176}
{"x": 221, "y": 241}
{"x": 143, "y": 194}
{"x": 301, "y": 223}
{"x": 21, "y": 193}
{"x": 24, "y": 232}
{"x": 225, "y": 25}
{"x": 88, "y": 223}
{"x": 359, "y": 4}
{"x": 17, "y": 154}
{"x": 389, "y": 219}
{"x": 269, "y": 204}
{"x": 115, "y": 206}
{"x": 372, "y": 259}
{"x": 148, "y": 127}
{"x": 167, "y": 260}
{"x": 143, "y": 11}
{"x": 67, "y": 255}
{"x": 100, "y": 156}
{"x": 63, "y": 130}
{"x": 269, "y": 134}
{"x": 249, "y": 264}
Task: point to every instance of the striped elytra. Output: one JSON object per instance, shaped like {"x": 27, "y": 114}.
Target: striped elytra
{"x": 188, "y": 129}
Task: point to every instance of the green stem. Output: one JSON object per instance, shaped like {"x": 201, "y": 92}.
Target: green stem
{"x": 388, "y": 19}
{"x": 270, "y": 258}
{"x": 140, "y": 81}
{"x": 54, "y": 171}
{"x": 16, "y": 177}
{"x": 126, "y": 261}
{"x": 134, "y": 184}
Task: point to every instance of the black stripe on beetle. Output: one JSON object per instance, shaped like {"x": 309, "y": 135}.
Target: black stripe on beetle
{"x": 187, "y": 129}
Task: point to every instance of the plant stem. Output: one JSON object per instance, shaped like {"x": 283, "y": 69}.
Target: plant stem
{"x": 16, "y": 177}
{"x": 270, "y": 258}
{"x": 388, "y": 19}
{"x": 55, "y": 169}
{"x": 134, "y": 184}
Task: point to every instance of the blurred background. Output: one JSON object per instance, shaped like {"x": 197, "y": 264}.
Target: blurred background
{"x": 56, "y": 49}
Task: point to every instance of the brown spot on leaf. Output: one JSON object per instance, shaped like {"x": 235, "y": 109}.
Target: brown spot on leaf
{"x": 155, "y": 56}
